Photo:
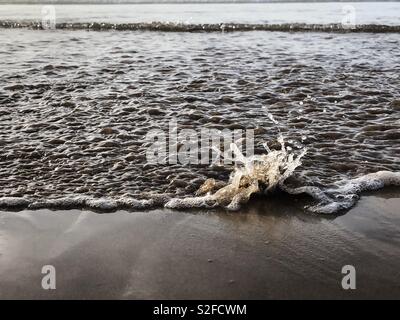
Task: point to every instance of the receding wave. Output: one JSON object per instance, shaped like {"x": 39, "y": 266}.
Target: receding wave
{"x": 213, "y": 27}
{"x": 263, "y": 174}
{"x": 255, "y": 175}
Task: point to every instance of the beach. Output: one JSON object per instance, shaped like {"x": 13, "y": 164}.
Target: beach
{"x": 271, "y": 250}
{"x": 200, "y": 151}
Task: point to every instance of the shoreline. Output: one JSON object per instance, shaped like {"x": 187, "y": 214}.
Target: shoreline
{"x": 160, "y": 26}
{"x": 269, "y": 250}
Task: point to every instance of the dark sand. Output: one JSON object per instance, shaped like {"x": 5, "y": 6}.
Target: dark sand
{"x": 269, "y": 250}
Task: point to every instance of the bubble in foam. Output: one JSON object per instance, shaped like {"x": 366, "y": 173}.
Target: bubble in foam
{"x": 105, "y": 205}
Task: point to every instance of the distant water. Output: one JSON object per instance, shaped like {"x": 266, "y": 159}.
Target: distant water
{"x": 76, "y": 105}
{"x": 255, "y": 13}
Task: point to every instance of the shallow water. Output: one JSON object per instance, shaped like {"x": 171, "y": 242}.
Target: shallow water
{"x": 76, "y": 106}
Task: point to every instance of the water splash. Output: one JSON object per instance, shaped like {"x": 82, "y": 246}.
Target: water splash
{"x": 251, "y": 175}
{"x": 262, "y": 174}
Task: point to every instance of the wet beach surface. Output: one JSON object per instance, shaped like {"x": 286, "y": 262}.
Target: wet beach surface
{"x": 270, "y": 249}
{"x": 75, "y": 108}
{"x": 77, "y": 105}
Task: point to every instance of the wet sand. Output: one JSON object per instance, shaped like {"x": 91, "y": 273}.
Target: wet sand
{"x": 270, "y": 249}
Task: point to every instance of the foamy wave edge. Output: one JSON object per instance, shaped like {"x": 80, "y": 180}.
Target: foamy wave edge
{"x": 328, "y": 201}
{"x": 206, "y": 27}
{"x": 79, "y": 202}
{"x": 346, "y": 193}
{"x": 332, "y": 200}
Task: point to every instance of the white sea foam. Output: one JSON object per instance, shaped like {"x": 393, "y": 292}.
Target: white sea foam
{"x": 102, "y": 204}
{"x": 81, "y": 202}
{"x": 254, "y": 174}
{"x": 257, "y": 174}
{"x": 346, "y": 193}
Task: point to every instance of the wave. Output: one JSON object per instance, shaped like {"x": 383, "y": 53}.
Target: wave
{"x": 265, "y": 173}
{"x": 345, "y": 194}
{"x": 258, "y": 174}
{"x": 215, "y": 27}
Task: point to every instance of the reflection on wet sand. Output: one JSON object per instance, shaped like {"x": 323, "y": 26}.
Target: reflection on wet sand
{"x": 269, "y": 250}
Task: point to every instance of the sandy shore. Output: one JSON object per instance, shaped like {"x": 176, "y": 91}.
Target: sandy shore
{"x": 269, "y": 250}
